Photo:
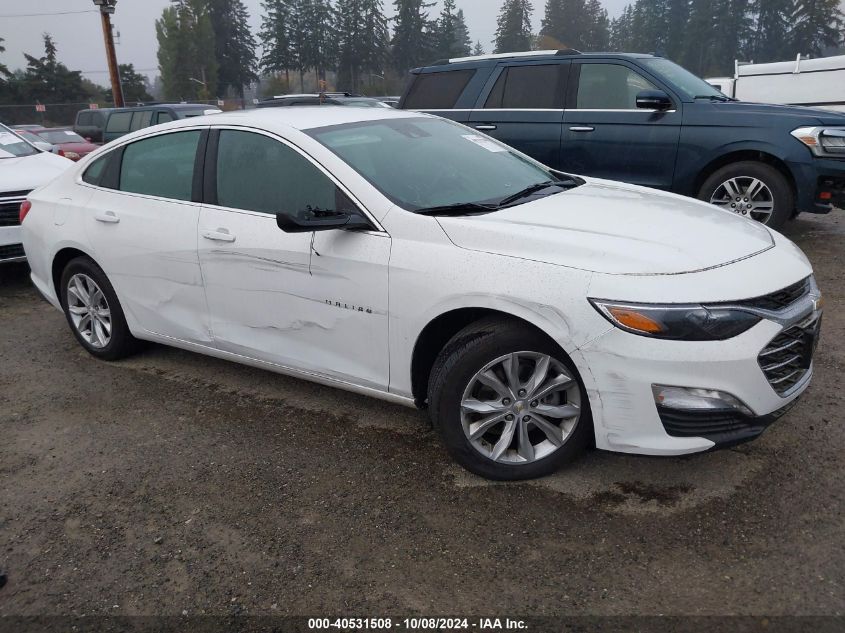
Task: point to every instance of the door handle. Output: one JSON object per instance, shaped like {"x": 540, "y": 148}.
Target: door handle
{"x": 582, "y": 128}
{"x": 220, "y": 235}
{"x": 107, "y": 217}
{"x": 486, "y": 128}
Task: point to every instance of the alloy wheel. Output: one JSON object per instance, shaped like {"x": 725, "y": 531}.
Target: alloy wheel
{"x": 89, "y": 310}
{"x": 746, "y": 196}
{"x": 520, "y": 408}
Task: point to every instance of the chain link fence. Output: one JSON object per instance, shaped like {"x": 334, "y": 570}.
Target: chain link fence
{"x": 64, "y": 114}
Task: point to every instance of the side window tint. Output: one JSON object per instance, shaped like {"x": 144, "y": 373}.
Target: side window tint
{"x": 610, "y": 87}
{"x": 161, "y": 166}
{"x": 528, "y": 87}
{"x": 437, "y": 91}
{"x": 119, "y": 122}
{"x": 141, "y": 120}
{"x": 85, "y": 118}
{"x": 164, "y": 117}
{"x": 94, "y": 173}
{"x": 258, "y": 173}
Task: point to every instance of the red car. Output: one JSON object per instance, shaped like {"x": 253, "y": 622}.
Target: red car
{"x": 69, "y": 143}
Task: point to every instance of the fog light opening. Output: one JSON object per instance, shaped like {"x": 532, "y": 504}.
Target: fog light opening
{"x": 697, "y": 399}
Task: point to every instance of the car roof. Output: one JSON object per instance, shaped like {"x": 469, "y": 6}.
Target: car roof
{"x": 296, "y": 117}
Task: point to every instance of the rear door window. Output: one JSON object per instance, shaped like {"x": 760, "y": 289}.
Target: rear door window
{"x": 119, "y": 122}
{"x": 164, "y": 117}
{"x": 161, "y": 166}
{"x": 437, "y": 91}
{"x": 528, "y": 87}
{"x": 141, "y": 119}
{"x": 610, "y": 87}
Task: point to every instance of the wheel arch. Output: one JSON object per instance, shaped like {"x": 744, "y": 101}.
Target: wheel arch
{"x": 742, "y": 155}
{"x": 61, "y": 259}
{"x": 440, "y": 330}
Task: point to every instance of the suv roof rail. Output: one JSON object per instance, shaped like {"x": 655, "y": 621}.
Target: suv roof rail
{"x": 456, "y": 60}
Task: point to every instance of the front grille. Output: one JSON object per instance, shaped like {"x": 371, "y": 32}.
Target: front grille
{"x": 10, "y": 207}
{"x": 11, "y": 251}
{"x": 780, "y": 299}
{"x": 787, "y": 359}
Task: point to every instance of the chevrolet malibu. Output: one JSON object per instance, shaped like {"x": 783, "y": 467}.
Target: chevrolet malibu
{"x": 409, "y": 258}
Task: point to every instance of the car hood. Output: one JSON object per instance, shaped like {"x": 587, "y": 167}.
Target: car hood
{"x": 802, "y": 115}
{"x": 609, "y": 227}
{"x": 24, "y": 173}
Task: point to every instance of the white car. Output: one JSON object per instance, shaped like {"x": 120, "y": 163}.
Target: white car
{"x": 406, "y": 257}
{"x": 23, "y": 167}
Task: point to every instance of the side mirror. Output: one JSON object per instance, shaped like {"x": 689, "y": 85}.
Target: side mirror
{"x": 321, "y": 221}
{"x": 654, "y": 100}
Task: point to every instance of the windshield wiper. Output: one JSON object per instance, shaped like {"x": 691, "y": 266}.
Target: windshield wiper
{"x": 720, "y": 98}
{"x": 530, "y": 191}
{"x": 461, "y": 208}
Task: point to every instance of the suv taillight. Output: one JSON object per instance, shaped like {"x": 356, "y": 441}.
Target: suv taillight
{"x": 26, "y": 205}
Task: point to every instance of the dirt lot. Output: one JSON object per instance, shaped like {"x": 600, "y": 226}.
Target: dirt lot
{"x": 173, "y": 482}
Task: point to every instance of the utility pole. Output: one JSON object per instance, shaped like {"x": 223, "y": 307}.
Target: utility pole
{"x": 106, "y": 10}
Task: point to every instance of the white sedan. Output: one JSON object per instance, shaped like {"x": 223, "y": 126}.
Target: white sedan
{"x": 408, "y": 258}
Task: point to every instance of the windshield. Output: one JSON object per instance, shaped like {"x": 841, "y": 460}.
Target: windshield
{"x": 57, "y": 137}
{"x": 688, "y": 84}
{"x": 422, "y": 163}
{"x": 11, "y": 145}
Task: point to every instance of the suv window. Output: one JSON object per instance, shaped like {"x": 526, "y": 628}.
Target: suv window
{"x": 610, "y": 87}
{"x": 258, "y": 173}
{"x": 437, "y": 91}
{"x": 119, "y": 122}
{"x": 164, "y": 117}
{"x": 141, "y": 119}
{"x": 161, "y": 166}
{"x": 85, "y": 118}
{"x": 535, "y": 87}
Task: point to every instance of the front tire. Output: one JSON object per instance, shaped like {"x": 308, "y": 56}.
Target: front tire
{"x": 93, "y": 311}
{"x": 753, "y": 190}
{"x": 507, "y": 402}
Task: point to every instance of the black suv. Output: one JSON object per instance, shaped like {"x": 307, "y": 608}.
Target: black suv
{"x": 644, "y": 120}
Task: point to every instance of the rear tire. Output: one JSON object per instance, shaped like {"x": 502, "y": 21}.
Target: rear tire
{"x": 93, "y": 312}
{"x": 753, "y": 190}
{"x": 546, "y": 385}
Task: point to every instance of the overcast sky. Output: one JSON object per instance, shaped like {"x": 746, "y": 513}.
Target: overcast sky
{"x": 80, "y": 42}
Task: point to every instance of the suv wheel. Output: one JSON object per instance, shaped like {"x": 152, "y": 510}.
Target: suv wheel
{"x": 507, "y": 402}
{"x": 753, "y": 190}
{"x": 93, "y": 311}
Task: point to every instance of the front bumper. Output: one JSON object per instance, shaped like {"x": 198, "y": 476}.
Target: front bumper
{"x": 817, "y": 177}
{"x": 11, "y": 249}
{"x": 621, "y": 369}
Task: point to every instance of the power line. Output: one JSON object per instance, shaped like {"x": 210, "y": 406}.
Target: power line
{"x": 39, "y": 15}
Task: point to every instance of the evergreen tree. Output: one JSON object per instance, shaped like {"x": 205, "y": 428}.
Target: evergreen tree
{"x": 412, "y": 43}
{"x": 596, "y": 36}
{"x": 817, "y": 25}
{"x": 4, "y": 70}
{"x": 479, "y": 49}
{"x": 772, "y": 24}
{"x": 731, "y": 35}
{"x": 277, "y": 34}
{"x": 565, "y": 23}
{"x": 697, "y": 53}
{"x": 677, "y": 15}
{"x": 363, "y": 43}
{"x": 621, "y": 30}
{"x": 186, "y": 55}
{"x": 513, "y": 31}
{"x": 47, "y": 80}
{"x": 320, "y": 46}
{"x": 451, "y": 36}
{"x": 234, "y": 45}
{"x": 134, "y": 86}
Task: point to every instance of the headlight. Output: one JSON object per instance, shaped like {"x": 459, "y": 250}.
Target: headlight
{"x": 822, "y": 141}
{"x": 677, "y": 322}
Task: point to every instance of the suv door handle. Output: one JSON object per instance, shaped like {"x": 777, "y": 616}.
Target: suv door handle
{"x": 107, "y": 217}
{"x": 486, "y": 128}
{"x": 220, "y": 235}
{"x": 582, "y": 128}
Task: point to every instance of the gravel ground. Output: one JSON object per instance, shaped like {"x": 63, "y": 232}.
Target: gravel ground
{"x": 174, "y": 483}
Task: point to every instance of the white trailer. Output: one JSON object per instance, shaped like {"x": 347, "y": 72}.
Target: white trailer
{"x": 818, "y": 83}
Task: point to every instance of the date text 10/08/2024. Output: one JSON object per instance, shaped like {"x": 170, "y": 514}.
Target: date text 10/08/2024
{"x": 413, "y": 624}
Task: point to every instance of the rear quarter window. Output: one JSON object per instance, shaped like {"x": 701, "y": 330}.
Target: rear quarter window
{"x": 437, "y": 91}
{"x": 119, "y": 122}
